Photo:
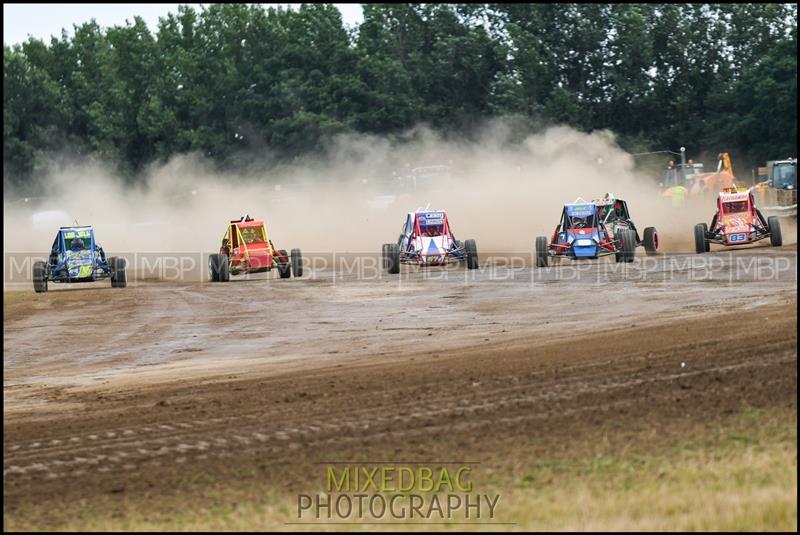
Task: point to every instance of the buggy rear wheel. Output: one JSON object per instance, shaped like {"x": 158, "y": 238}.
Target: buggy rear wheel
{"x": 284, "y": 266}
{"x": 297, "y": 263}
{"x": 472, "y": 254}
{"x": 119, "y": 272}
{"x": 650, "y": 241}
{"x": 39, "y": 277}
{"x": 218, "y": 268}
{"x": 541, "y": 251}
{"x": 392, "y": 258}
{"x": 775, "y": 238}
{"x": 700, "y": 243}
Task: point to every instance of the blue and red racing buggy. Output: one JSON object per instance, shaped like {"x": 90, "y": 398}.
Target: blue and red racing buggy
{"x": 426, "y": 240}
{"x": 77, "y": 257}
{"x": 594, "y": 229}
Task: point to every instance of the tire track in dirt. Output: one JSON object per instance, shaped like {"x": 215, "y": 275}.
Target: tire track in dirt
{"x": 579, "y": 379}
{"x": 179, "y": 439}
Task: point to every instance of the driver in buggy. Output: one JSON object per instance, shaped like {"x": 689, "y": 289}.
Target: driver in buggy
{"x": 579, "y": 222}
{"x": 248, "y": 235}
{"x": 77, "y": 245}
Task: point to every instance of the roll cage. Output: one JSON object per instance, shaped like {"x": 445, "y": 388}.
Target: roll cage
{"x": 64, "y": 237}
{"x": 728, "y": 196}
{"x": 572, "y": 212}
{"x": 234, "y": 238}
{"x": 413, "y": 228}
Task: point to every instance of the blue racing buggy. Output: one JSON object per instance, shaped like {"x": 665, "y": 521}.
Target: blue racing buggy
{"x": 77, "y": 257}
{"x": 585, "y": 233}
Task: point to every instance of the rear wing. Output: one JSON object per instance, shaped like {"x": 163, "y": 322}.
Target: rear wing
{"x": 244, "y": 219}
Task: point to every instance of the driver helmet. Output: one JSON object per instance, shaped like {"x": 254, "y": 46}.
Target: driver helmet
{"x": 76, "y": 243}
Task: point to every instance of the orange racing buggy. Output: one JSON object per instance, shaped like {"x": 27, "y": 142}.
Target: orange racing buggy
{"x": 246, "y": 248}
{"x": 737, "y": 222}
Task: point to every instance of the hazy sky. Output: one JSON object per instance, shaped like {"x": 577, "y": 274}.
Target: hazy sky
{"x": 44, "y": 20}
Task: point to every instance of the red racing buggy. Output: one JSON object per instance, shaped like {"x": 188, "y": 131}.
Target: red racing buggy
{"x": 737, "y": 222}
{"x": 246, "y": 248}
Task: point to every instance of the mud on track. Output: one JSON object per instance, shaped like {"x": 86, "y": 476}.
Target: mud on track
{"x": 139, "y": 387}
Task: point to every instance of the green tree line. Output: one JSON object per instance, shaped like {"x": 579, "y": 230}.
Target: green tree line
{"x": 235, "y": 79}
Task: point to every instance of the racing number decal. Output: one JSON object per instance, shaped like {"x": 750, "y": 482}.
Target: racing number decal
{"x": 737, "y": 237}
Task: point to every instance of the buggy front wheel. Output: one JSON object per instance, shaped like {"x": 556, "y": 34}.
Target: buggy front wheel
{"x": 472, "y": 254}
{"x": 39, "y": 277}
{"x": 700, "y": 242}
{"x": 218, "y": 268}
{"x": 297, "y": 263}
{"x": 775, "y": 238}
{"x": 627, "y": 245}
{"x": 541, "y": 251}
{"x": 650, "y": 241}
{"x": 392, "y": 258}
{"x": 119, "y": 272}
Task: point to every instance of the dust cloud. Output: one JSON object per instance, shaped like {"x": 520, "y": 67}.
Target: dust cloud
{"x": 501, "y": 189}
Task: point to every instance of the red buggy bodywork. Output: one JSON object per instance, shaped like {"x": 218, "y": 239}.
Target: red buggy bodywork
{"x": 737, "y": 222}
{"x": 247, "y": 248}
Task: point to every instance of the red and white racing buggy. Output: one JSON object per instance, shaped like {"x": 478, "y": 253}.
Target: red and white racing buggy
{"x": 426, "y": 240}
{"x": 737, "y": 222}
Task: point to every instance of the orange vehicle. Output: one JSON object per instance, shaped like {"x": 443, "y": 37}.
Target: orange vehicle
{"x": 714, "y": 182}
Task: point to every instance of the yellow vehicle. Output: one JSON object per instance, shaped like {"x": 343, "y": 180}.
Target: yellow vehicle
{"x": 776, "y": 187}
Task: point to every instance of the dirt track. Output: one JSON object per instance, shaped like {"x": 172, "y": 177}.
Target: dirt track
{"x": 107, "y": 389}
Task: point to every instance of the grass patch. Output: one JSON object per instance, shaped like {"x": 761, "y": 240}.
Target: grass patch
{"x": 738, "y": 476}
